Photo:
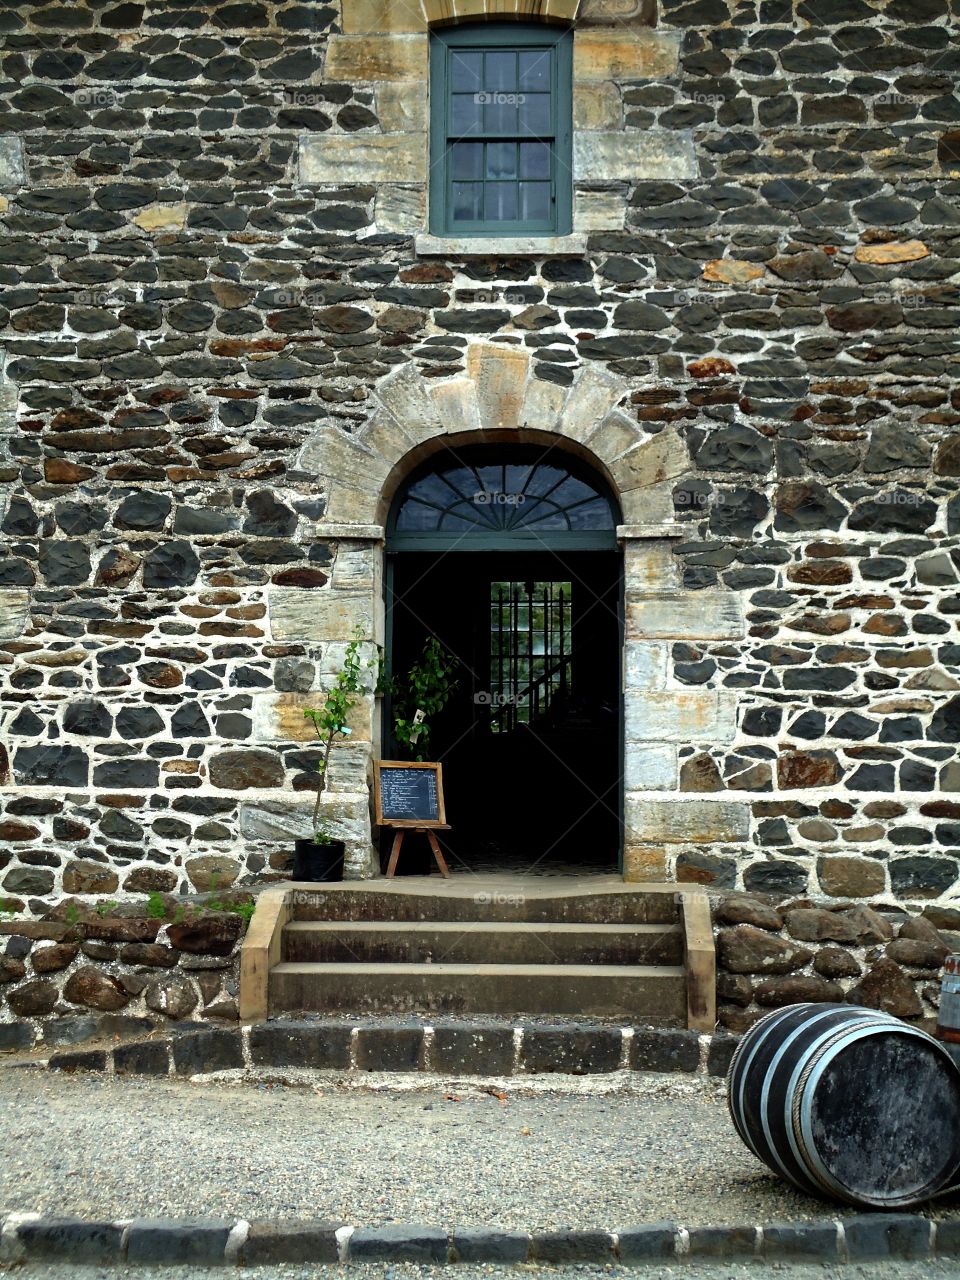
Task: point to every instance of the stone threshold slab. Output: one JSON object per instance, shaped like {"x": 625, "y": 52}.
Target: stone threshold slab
{"x": 212, "y": 1242}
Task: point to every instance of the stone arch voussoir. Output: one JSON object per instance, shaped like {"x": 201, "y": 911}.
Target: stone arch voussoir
{"x": 498, "y": 395}
{"x": 450, "y": 12}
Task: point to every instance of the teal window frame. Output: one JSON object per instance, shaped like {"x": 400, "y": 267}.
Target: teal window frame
{"x": 493, "y": 37}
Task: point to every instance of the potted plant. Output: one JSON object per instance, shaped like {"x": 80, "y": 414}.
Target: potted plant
{"x": 320, "y": 857}
{"x": 421, "y": 695}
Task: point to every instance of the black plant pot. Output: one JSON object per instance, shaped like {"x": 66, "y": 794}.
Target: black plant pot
{"x": 318, "y": 861}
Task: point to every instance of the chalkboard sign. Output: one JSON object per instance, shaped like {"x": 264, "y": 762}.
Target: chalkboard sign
{"x": 409, "y": 795}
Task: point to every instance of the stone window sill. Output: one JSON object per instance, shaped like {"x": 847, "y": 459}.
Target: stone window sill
{"x": 572, "y": 246}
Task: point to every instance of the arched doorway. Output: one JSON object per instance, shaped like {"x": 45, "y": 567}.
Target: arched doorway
{"x": 507, "y": 553}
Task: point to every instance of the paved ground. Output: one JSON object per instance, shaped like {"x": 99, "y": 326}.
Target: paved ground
{"x": 728, "y": 1271}
{"x": 93, "y": 1145}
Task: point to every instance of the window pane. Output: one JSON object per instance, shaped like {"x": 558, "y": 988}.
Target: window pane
{"x": 535, "y": 113}
{"x": 501, "y": 72}
{"x": 500, "y": 204}
{"x": 534, "y": 160}
{"x": 501, "y": 160}
{"x": 535, "y": 67}
{"x": 500, "y": 113}
{"x": 466, "y": 71}
{"x": 467, "y": 201}
{"x": 466, "y": 114}
{"x": 466, "y": 161}
{"x": 535, "y": 201}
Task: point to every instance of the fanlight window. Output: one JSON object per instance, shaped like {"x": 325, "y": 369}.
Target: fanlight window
{"x": 534, "y": 497}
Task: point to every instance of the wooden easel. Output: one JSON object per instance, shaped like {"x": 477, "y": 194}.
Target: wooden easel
{"x": 400, "y": 832}
{"x": 423, "y": 819}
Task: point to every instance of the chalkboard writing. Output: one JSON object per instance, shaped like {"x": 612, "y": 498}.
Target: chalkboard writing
{"x": 409, "y": 794}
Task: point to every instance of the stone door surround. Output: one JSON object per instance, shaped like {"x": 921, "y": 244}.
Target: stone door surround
{"x": 498, "y": 399}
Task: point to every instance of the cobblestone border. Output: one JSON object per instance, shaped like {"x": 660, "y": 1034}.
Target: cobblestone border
{"x": 238, "y": 1242}
{"x": 445, "y": 1047}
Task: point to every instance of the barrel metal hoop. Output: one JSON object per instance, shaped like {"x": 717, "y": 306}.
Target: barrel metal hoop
{"x": 804, "y": 1113}
{"x": 750, "y": 1046}
{"x": 775, "y": 1061}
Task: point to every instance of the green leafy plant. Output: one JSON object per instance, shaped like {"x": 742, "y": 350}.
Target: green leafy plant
{"x": 72, "y": 914}
{"x": 156, "y": 907}
{"x": 9, "y": 907}
{"x": 104, "y": 908}
{"x": 420, "y": 696}
{"x": 330, "y": 720}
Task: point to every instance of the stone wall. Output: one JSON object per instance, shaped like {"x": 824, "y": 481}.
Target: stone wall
{"x": 772, "y": 954}
{"x": 109, "y": 975}
{"x": 200, "y": 339}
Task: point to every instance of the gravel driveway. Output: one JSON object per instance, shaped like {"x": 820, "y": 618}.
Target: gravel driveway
{"x": 125, "y": 1147}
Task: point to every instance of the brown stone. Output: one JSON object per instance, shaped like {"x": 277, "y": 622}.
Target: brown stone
{"x": 870, "y": 926}
{"x": 947, "y": 460}
{"x": 300, "y": 578}
{"x": 820, "y": 573}
{"x": 122, "y": 930}
{"x": 843, "y": 877}
{"x": 95, "y": 990}
{"x": 885, "y": 986}
{"x": 814, "y": 925}
{"x": 921, "y": 930}
{"x": 807, "y": 769}
{"x": 89, "y": 877}
{"x": 884, "y": 809}
{"x": 212, "y": 871}
{"x": 744, "y": 949}
{"x": 735, "y": 988}
{"x": 939, "y": 917}
{"x": 60, "y": 471}
{"x": 796, "y": 989}
{"x": 816, "y": 829}
{"x": 213, "y": 935}
{"x": 834, "y": 962}
{"x": 736, "y": 1019}
{"x": 11, "y": 969}
{"x": 152, "y": 954}
{"x": 117, "y": 569}
{"x": 711, "y": 367}
{"x": 865, "y": 835}
{"x": 150, "y": 880}
{"x": 33, "y": 999}
{"x": 896, "y": 251}
{"x": 731, "y": 271}
{"x": 917, "y": 954}
{"x": 51, "y": 959}
{"x": 700, "y": 773}
{"x": 15, "y": 832}
{"x": 175, "y": 996}
{"x": 246, "y": 769}
{"x": 743, "y": 908}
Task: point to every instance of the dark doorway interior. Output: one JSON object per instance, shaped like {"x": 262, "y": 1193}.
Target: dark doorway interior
{"x": 530, "y": 743}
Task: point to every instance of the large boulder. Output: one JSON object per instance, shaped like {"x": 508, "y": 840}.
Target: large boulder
{"x": 746, "y": 949}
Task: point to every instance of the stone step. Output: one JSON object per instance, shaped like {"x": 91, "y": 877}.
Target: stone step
{"x": 469, "y": 899}
{"x": 655, "y": 995}
{"x": 460, "y": 942}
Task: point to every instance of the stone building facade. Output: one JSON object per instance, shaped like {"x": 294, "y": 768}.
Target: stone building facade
{"x": 230, "y": 332}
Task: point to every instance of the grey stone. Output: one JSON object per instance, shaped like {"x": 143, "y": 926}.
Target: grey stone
{"x": 483, "y": 1050}
{"x": 565, "y": 1248}
{"x": 640, "y": 1244}
{"x": 905, "y": 1236}
{"x": 570, "y": 1049}
{"x": 389, "y": 1047}
{"x": 272, "y": 1242}
{"x": 12, "y": 172}
{"x": 664, "y": 1050}
{"x": 398, "y": 1244}
{"x": 82, "y": 1243}
{"x": 487, "y": 1245}
{"x": 801, "y": 1240}
{"x": 301, "y": 1044}
{"x": 200, "y": 1241}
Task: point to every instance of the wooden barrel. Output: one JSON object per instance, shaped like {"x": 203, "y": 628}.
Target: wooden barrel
{"x": 848, "y": 1102}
